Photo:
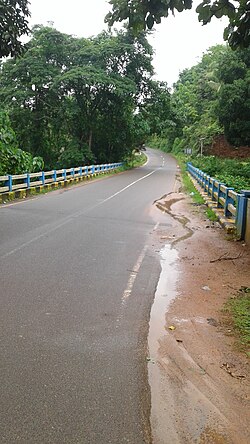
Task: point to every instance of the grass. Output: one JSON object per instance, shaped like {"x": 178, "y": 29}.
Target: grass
{"x": 188, "y": 185}
{"x": 211, "y": 215}
{"x": 190, "y": 189}
{"x": 238, "y": 309}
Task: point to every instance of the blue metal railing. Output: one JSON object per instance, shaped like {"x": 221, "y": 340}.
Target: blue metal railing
{"x": 15, "y": 182}
{"x": 234, "y": 204}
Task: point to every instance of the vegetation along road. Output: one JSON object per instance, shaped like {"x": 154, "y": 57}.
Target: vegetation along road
{"x": 78, "y": 277}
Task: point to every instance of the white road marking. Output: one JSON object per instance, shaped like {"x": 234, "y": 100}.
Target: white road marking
{"x": 71, "y": 217}
{"x": 131, "y": 281}
{"x": 156, "y": 226}
{"x": 128, "y": 186}
{"x": 133, "y": 275}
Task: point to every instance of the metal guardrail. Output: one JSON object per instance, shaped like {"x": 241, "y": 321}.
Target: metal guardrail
{"x": 9, "y": 183}
{"x": 235, "y": 206}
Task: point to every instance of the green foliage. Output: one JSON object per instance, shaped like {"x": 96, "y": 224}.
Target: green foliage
{"x": 160, "y": 116}
{"x": 157, "y": 110}
{"x": 233, "y": 107}
{"x": 67, "y": 93}
{"x": 144, "y": 14}
{"x": 37, "y": 164}
{"x": 194, "y": 99}
{"x": 12, "y": 159}
{"x": 211, "y": 215}
{"x": 134, "y": 160}
{"x": 209, "y": 99}
{"x": 239, "y": 309}
{"x": 73, "y": 157}
{"x": 189, "y": 187}
{"x": 179, "y": 145}
{"x": 14, "y": 16}
{"x": 158, "y": 142}
{"x": 232, "y": 173}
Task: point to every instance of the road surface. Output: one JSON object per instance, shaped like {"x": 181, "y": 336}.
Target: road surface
{"x": 78, "y": 277}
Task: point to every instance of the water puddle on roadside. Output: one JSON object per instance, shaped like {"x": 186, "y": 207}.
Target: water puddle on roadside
{"x": 165, "y": 294}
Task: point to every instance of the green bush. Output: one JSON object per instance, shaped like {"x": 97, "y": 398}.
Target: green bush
{"x": 13, "y": 160}
{"x": 73, "y": 156}
{"x": 158, "y": 142}
{"x": 232, "y": 172}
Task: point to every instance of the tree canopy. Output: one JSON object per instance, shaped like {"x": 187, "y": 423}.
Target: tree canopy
{"x": 144, "y": 14}
{"x": 76, "y": 100}
{"x": 210, "y": 99}
{"x": 14, "y": 15}
{"x": 73, "y": 101}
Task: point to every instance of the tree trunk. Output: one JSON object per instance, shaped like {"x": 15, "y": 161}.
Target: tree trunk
{"x": 90, "y": 140}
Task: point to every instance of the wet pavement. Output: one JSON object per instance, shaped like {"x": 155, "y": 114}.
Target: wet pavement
{"x": 78, "y": 275}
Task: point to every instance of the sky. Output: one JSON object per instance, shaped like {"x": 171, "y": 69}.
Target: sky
{"x": 178, "y": 42}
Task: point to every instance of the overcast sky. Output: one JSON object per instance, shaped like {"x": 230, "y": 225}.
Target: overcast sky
{"x": 178, "y": 42}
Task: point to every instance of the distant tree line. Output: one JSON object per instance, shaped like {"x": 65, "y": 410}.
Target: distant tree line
{"x": 211, "y": 98}
{"x": 73, "y": 101}
{"x": 70, "y": 101}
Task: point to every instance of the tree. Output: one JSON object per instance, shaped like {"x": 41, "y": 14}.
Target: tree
{"x": 157, "y": 108}
{"x": 233, "y": 108}
{"x": 75, "y": 98}
{"x": 209, "y": 99}
{"x": 13, "y": 160}
{"x": 193, "y": 103}
{"x": 14, "y": 16}
{"x": 144, "y": 14}
{"x": 26, "y": 92}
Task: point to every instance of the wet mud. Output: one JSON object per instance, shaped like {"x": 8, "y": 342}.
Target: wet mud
{"x": 193, "y": 398}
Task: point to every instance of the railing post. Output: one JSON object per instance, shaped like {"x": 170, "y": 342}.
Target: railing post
{"x": 54, "y": 176}
{"x": 9, "y": 182}
{"x": 72, "y": 173}
{"x": 209, "y": 191}
{"x": 93, "y": 169}
{"x": 241, "y": 215}
{"x": 80, "y": 171}
{"x": 27, "y": 180}
{"x": 200, "y": 176}
{"x": 42, "y": 178}
{"x": 212, "y": 192}
{"x": 204, "y": 181}
{"x": 247, "y": 223}
{"x": 227, "y": 201}
{"x": 207, "y": 181}
{"x": 219, "y": 205}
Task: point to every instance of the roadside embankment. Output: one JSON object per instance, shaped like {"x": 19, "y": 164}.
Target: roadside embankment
{"x": 203, "y": 378}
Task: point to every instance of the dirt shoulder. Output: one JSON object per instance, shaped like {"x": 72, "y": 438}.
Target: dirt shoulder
{"x": 203, "y": 379}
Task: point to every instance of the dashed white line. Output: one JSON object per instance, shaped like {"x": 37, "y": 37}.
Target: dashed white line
{"x": 133, "y": 275}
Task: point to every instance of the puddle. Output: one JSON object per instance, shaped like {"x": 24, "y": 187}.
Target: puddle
{"x": 165, "y": 293}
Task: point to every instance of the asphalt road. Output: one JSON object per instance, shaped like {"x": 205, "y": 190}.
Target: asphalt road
{"x": 77, "y": 280}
